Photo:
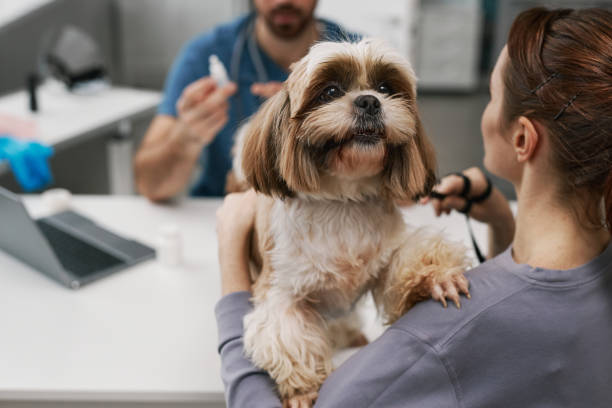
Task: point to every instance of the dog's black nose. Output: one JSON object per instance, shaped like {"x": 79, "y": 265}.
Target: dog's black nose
{"x": 368, "y": 104}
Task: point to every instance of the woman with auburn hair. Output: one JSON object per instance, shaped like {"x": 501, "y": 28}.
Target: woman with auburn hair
{"x": 538, "y": 328}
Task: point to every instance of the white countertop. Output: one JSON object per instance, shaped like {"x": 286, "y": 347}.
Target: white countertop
{"x": 64, "y": 116}
{"x": 144, "y": 334}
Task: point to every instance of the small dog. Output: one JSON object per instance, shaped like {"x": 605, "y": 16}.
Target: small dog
{"x": 332, "y": 153}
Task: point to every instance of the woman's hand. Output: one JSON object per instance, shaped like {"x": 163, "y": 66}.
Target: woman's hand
{"x": 235, "y": 219}
{"x": 494, "y": 210}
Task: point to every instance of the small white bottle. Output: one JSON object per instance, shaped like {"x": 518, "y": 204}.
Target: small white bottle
{"x": 217, "y": 71}
{"x": 169, "y": 245}
{"x": 56, "y": 200}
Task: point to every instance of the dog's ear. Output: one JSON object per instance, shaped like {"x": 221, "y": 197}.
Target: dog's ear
{"x": 410, "y": 170}
{"x": 296, "y": 163}
{"x": 263, "y": 144}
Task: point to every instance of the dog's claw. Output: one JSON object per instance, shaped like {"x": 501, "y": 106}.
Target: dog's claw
{"x": 458, "y": 303}
{"x": 463, "y": 285}
{"x": 301, "y": 401}
{"x": 438, "y": 294}
{"x": 451, "y": 288}
{"x": 452, "y": 294}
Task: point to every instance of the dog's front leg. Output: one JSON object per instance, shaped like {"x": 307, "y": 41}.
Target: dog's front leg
{"x": 422, "y": 267}
{"x": 286, "y": 337}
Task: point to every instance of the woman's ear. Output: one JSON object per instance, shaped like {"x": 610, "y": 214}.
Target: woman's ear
{"x": 525, "y": 139}
{"x": 262, "y": 146}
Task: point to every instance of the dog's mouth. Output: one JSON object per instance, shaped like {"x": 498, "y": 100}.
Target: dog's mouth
{"x": 367, "y": 138}
{"x": 361, "y": 137}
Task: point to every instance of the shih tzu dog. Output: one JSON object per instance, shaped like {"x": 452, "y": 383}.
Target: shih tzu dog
{"x": 332, "y": 153}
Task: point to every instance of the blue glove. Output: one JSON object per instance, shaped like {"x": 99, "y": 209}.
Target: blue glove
{"x": 28, "y": 160}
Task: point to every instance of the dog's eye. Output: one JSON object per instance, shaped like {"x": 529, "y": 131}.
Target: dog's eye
{"x": 384, "y": 89}
{"x": 331, "y": 92}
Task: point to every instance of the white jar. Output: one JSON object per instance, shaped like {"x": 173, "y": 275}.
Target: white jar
{"x": 56, "y": 200}
{"x": 169, "y": 245}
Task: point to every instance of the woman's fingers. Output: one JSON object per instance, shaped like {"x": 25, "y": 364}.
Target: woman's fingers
{"x": 478, "y": 180}
{"x": 451, "y": 202}
{"x": 449, "y": 185}
{"x": 450, "y": 191}
{"x": 238, "y": 210}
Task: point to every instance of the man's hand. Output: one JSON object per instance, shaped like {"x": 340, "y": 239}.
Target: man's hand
{"x": 202, "y": 111}
{"x": 235, "y": 219}
{"x": 266, "y": 89}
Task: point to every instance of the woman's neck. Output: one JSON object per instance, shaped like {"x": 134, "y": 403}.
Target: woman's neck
{"x": 285, "y": 51}
{"x": 550, "y": 235}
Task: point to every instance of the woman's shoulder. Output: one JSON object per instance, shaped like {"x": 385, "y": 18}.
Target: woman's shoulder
{"x": 515, "y": 298}
{"x": 491, "y": 284}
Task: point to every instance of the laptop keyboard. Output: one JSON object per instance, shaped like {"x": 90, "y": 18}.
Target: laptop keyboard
{"x": 77, "y": 256}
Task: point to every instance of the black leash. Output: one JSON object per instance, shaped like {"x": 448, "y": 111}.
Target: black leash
{"x": 467, "y": 185}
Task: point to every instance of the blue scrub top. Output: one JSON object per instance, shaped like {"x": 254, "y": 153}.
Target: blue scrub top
{"x": 192, "y": 64}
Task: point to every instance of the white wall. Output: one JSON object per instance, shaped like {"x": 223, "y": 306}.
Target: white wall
{"x": 12, "y": 10}
{"x": 152, "y": 32}
{"x": 391, "y": 20}
{"x": 449, "y": 45}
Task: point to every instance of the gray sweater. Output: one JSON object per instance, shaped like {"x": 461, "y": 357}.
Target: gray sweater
{"x": 528, "y": 337}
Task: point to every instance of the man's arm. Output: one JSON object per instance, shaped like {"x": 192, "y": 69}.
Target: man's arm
{"x": 170, "y": 149}
{"x": 164, "y": 162}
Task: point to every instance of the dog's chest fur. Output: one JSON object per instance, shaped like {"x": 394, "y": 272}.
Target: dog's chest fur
{"x": 330, "y": 252}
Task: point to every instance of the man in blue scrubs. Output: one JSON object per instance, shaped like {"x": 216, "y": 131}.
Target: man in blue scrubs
{"x": 197, "y": 120}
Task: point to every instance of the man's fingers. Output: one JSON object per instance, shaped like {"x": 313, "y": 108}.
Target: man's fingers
{"x": 195, "y": 92}
{"x": 217, "y": 98}
{"x": 194, "y": 116}
{"x": 266, "y": 89}
{"x": 208, "y": 127}
{"x": 217, "y": 122}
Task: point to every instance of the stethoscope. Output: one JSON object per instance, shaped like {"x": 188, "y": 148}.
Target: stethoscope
{"x": 246, "y": 36}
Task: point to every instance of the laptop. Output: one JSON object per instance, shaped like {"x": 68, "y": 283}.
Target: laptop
{"x": 67, "y": 247}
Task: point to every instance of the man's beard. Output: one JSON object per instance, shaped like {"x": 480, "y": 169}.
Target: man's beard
{"x": 289, "y": 30}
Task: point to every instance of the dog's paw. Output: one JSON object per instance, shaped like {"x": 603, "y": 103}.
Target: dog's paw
{"x": 450, "y": 286}
{"x": 305, "y": 400}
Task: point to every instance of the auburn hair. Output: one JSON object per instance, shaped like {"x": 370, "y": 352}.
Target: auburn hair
{"x": 559, "y": 74}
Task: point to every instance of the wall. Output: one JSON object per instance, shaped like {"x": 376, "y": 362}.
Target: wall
{"x": 508, "y": 10}
{"x": 20, "y": 42}
{"x": 139, "y": 39}
{"x": 152, "y": 32}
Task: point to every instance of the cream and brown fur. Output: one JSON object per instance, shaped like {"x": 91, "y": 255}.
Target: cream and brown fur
{"x": 332, "y": 153}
